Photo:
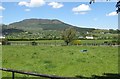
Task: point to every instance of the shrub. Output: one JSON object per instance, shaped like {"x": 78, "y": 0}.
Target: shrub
{"x": 5, "y": 42}
{"x": 76, "y": 42}
{"x": 34, "y": 43}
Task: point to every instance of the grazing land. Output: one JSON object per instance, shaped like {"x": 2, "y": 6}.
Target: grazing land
{"x": 61, "y": 60}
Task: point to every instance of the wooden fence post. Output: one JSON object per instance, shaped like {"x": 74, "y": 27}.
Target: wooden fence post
{"x": 13, "y": 75}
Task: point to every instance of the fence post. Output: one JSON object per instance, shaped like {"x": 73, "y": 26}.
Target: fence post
{"x": 13, "y": 75}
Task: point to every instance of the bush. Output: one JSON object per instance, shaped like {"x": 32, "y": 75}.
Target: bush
{"x": 5, "y": 42}
{"x": 76, "y": 42}
{"x": 34, "y": 43}
{"x": 116, "y": 42}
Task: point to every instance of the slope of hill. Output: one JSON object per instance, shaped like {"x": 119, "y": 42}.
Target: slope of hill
{"x": 37, "y": 25}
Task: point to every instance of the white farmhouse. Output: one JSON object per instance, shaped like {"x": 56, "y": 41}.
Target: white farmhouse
{"x": 89, "y": 37}
{"x": 1, "y": 37}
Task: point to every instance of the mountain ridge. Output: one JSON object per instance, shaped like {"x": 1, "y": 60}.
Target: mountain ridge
{"x": 34, "y": 24}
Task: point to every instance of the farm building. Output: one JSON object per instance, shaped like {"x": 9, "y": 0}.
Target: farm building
{"x": 1, "y": 39}
{"x": 89, "y": 37}
{"x": 81, "y": 37}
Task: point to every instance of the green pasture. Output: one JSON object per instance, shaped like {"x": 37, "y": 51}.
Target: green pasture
{"x": 60, "y": 60}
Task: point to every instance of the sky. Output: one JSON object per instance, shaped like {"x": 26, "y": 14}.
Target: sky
{"x": 99, "y": 15}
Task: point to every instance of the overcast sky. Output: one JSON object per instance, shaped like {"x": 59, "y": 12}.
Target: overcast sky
{"x": 98, "y": 15}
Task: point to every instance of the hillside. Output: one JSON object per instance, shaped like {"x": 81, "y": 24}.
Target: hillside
{"x": 35, "y": 25}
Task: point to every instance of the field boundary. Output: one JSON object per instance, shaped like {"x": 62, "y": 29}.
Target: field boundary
{"x": 60, "y": 44}
{"x": 34, "y": 74}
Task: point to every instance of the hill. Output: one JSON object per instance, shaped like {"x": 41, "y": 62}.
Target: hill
{"x": 35, "y": 25}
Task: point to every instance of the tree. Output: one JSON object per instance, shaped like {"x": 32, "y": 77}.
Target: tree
{"x": 68, "y": 35}
{"x": 117, "y": 5}
{"x": 93, "y": 1}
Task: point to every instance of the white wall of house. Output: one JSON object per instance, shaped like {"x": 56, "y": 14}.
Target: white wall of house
{"x": 89, "y": 37}
{"x": 1, "y": 37}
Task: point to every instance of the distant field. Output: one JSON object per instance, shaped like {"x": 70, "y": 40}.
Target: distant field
{"x": 61, "y": 60}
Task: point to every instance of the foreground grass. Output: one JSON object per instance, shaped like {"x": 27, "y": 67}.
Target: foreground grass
{"x": 61, "y": 60}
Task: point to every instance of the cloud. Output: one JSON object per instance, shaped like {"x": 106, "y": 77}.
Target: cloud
{"x": 81, "y": 9}
{"x": 55, "y": 5}
{"x": 32, "y": 3}
{"x": 112, "y": 14}
{"x": 23, "y": 3}
{"x": 27, "y": 10}
{"x": 2, "y": 8}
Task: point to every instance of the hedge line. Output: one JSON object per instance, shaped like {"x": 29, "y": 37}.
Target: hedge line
{"x": 29, "y": 39}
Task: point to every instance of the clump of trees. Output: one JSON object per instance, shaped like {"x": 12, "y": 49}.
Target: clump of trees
{"x": 68, "y": 35}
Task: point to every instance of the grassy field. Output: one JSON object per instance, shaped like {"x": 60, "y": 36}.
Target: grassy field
{"x": 61, "y": 60}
